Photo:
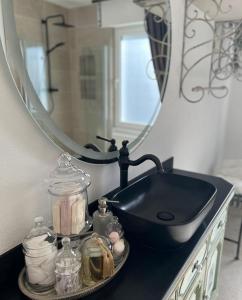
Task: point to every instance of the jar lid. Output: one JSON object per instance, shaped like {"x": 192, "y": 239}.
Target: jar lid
{"x": 91, "y": 245}
{"x": 39, "y": 237}
{"x": 67, "y": 260}
{"x": 67, "y": 179}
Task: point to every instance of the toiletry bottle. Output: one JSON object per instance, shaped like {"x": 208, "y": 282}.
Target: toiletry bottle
{"x": 40, "y": 251}
{"x": 102, "y": 217}
{"x": 67, "y": 270}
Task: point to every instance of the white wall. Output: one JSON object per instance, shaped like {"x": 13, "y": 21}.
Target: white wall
{"x": 233, "y": 140}
{"x": 192, "y": 133}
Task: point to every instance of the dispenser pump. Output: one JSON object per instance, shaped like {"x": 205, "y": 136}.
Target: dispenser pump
{"x": 102, "y": 206}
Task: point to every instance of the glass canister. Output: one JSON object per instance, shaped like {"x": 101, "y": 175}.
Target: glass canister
{"x": 97, "y": 260}
{"x": 69, "y": 201}
{"x": 67, "y": 270}
{"x": 40, "y": 253}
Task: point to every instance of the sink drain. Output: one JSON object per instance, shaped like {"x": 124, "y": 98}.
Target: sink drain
{"x": 165, "y": 216}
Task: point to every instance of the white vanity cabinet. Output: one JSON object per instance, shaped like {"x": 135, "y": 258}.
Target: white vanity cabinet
{"x": 200, "y": 280}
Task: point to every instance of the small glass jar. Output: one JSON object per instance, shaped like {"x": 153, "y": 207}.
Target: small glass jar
{"x": 67, "y": 270}
{"x": 40, "y": 251}
{"x": 97, "y": 260}
{"x": 101, "y": 217}
{"x": 114, "y": 232}
{"x": 68, "y": 192}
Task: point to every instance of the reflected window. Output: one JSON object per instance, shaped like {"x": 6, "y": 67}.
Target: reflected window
{"x": 139, "y": 92}
{"x": 35, "y": 63}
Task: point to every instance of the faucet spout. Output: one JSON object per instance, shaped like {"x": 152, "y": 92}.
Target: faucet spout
{"x": 125, "y": 162}
{"x": 145, "y": 157}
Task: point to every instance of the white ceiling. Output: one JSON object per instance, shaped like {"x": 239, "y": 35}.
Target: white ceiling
{"x": 71, "y": 3}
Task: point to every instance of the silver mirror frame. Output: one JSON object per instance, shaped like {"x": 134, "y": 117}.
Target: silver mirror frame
{"x": 39, "y": 114}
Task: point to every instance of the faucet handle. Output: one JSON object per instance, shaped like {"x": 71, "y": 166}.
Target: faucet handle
{"x": 124, "y": 151}
{"x": 112, "y": 147}
{"x": 125, "y": 143}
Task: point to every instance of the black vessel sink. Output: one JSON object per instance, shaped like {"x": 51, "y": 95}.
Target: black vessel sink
{"x": 164, "y": 209}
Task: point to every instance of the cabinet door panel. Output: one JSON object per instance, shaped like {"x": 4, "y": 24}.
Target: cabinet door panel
{"x": 196, "y": 293}
{"x": 196, "y": 289}
{"x": 218, "y": 229}
{"x": 213, "y": 266}
{"x": 173, "y": 296}
{"x": 193, "y": 271}
{"x": 211, "y": 276}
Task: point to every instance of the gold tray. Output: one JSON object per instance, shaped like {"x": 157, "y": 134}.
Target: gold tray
{"x": 51, "y": 294}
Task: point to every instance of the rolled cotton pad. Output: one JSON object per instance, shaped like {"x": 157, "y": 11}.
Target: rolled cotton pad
{"x": 35, "y": 274}
{"x": 118, "y": 247}
{"x": 37, "y": 242}
{"x": 114, "y": 237}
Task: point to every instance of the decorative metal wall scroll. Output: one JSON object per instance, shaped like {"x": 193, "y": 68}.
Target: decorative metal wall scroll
{"x": 222, "y": 51}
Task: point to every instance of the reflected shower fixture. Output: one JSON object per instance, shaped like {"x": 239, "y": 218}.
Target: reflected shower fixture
{"x": 49, "y": 49}
{"x": 62, "y": 23}
{"x": 220, "y": 50}
{"x": 54, "y": 47}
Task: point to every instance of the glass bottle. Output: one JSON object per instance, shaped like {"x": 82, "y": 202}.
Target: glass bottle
{"x": 40, "y": 252}
{"x": 114, "y": 232}
{"x": 67, "y": 270}
{"x": 69, "y": 201}
{"x": 101, "y": 217}
{"x": 97, "y": 260}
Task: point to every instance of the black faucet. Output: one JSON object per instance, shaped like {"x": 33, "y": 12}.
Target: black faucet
{"x": 125, "y": 162}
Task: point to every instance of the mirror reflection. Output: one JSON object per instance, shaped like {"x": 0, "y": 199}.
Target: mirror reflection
{"x": 99, "y": 68}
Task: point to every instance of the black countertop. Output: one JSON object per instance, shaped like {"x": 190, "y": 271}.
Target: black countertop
{"x": 147, "y": 274}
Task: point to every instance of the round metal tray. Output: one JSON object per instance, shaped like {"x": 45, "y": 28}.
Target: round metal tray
{"x": 51, "y": 294}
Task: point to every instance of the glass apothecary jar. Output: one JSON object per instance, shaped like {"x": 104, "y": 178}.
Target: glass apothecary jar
{"x": 69, "y": 201}
{"x": 40, "y": 251}
{"x": 97, "y": 260}
{"x": 67, "y": 270}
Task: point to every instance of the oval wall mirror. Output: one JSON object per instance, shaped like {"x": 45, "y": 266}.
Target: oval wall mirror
{"x": 91, "y": 72}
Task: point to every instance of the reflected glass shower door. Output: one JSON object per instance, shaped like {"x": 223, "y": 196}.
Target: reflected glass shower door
{"x": 35, "y": 62}
{"x": 94, "y": 70}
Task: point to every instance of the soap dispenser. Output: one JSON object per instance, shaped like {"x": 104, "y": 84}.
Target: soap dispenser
{"x": 102, "y": 217}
